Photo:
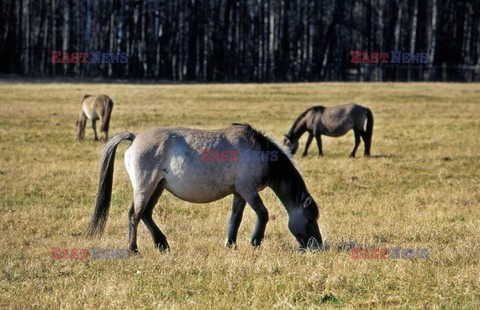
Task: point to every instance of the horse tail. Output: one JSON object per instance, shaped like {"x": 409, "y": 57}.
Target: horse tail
{"x": 107, "y": 112}
{"x": 368, "y": 132}
{"x": 100, "y": 214}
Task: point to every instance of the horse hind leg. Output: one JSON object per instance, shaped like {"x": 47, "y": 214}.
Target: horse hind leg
{"x": 238, "y": 205}
{"x": 104, "y": 129}
{"x": 357, "y": 142}
{"x": 94, "y": 127}
{"x": 105, "y": 123}
{"x": 131, "y": 214}
{"x": 159, "y": 239}
{"x": 367, "y": 140}
{"x": 140, "y": 202}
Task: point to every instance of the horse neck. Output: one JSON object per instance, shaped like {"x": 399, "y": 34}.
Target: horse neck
{"x": 298, "y": 129}
{"x": 289, "y": 188}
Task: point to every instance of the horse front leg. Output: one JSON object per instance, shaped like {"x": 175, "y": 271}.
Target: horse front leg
{"x": 105, "y": 135}
{"x": 81, "y": 123}
{"x": 238, "y": 205}
{"x": 357, "y": 142}
{"x": 309, "y": 140}
{"x": 94, "y": 127}
{"x": 318, "y": 137}
{"x": 253, "y": 198}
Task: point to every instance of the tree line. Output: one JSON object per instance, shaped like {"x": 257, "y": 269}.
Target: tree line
{"x": 242, "y": 40}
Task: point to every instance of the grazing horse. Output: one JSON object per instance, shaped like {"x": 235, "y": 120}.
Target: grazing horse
{"x": 94, "y": 108}
{"x": 171, "y": 159}
{"x": 332, "y": 122}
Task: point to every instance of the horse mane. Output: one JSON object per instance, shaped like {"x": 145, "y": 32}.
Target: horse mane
{"x": 318, "y": 108}
{"x": 281, "y": 168}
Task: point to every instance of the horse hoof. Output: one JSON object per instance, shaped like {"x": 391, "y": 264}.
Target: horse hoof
{"x": 255, "y": 243}
{"x": 232, "y": 245}
{"x": 134, "y": 253}
{"x": 164, "y": 249}
{"x": 255, "y": 248}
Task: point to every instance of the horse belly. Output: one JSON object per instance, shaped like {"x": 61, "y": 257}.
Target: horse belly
{"x": 337, "y": 132}
{"x": 196, "y": 183}
{"x": 337, "y": 128}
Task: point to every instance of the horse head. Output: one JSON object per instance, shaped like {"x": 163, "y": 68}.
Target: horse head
{"x": 302, "y": 222}
{"x": 292, "y": 144}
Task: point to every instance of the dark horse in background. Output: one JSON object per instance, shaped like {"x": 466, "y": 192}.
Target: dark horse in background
{"x": 171, "y": 159}
{"x": 94, "y": 108}
{"x": 332, "y": 122}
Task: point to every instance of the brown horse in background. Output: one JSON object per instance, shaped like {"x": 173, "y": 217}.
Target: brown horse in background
{"x": 94, "y": 108}
{"x": 332, "y": 122}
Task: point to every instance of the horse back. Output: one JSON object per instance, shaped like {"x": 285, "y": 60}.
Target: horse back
{"x": 337, "y": 121}
{"x": 96, "y": 106}
{"x": 177, "y": 157}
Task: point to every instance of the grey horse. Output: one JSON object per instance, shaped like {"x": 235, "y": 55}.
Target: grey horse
{"x": 94, "y": 108}
{"x": 173, "y": 159}
{"x": 332, "y": 122}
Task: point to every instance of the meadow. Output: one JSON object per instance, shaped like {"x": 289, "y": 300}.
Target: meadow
{"x": 420, "y": 189}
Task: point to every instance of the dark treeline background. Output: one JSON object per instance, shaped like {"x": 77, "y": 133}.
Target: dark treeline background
{"x": 242, "y": 40}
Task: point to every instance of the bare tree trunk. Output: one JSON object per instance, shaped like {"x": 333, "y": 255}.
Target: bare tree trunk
{"x": 142, "y": 46}
{"x": 271, "y": 41}
{"x": 54, "y": 32}
{"x": 413, "y": 34}
{"x": 45, "y": 54}
{"x": 111, "y": 37}
{"x": 381, "y": 26}
{"x": 86, "y": 44}
{"x": 433, "y": 40}
{"x": 397, "y": 35}
{"x": 340, "y": 59}
{"x": 66, "y": 32}
{"x": 26, "y": 34}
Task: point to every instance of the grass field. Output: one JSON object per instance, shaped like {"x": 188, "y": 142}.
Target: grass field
{"x": 421, "y": 189}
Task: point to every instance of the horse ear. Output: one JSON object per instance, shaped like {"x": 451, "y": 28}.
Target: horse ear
{"x": 307, "y": 202}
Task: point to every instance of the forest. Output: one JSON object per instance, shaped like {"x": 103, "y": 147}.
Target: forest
{"x": 242, "y": 40}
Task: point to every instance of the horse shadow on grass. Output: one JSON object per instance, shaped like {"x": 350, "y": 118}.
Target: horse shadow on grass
{"x": 342, "y": 246}
{"x": 383, "y": 156}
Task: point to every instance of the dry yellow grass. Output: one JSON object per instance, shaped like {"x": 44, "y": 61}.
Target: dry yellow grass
{"x": 420, "y": 190}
